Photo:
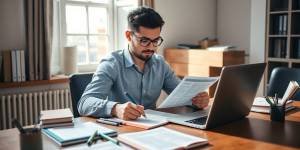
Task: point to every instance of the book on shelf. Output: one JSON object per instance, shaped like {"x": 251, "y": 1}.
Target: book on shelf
{"x": 7, "y": 66}
{"x": 279, "y": 25}
{"x": 18, "y": 65}
{"x": 279, "y": 48}
{"x": 23, "y": 70}
{"x": 78, "y": 133}
{"x": 14, "y": 65}
{"x": 297, "y": 48}
{"x": 163, "y": 138}
{"x": 56, "y": 118}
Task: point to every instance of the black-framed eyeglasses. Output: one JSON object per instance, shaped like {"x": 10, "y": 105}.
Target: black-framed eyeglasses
{"x": 145, "y": 42}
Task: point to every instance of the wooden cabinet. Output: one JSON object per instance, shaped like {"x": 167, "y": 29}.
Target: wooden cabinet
{"x": 197, "y": 62}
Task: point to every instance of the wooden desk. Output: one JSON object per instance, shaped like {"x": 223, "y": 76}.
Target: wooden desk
{"x": 256, "y": 131}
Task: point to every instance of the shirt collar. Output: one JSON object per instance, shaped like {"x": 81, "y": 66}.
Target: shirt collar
{"x": 129, "y": 61}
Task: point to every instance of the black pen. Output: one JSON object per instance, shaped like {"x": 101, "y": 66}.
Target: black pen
{"x": 108, "y": 122}
{"x": 113, "y": 120}
{"x": 17, "y": 124}
{"x": 132, "y": 99}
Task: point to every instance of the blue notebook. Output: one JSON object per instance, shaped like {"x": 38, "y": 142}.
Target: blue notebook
{"x": 76, "y": 134}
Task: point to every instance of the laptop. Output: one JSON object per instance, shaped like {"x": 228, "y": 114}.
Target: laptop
{"x": 234, "y": 95}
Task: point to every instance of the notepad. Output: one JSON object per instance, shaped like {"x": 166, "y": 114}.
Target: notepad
{"x": 76, "y": 134}
{"x": 161, "y": 138}
{"x": 151, "y": 121}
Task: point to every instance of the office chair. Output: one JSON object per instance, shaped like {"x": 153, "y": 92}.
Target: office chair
{"x": 279, "y": 81}
{"x": 78, "y": 83}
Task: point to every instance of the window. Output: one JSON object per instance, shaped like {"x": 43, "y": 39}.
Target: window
{"x": 96, "y": 27}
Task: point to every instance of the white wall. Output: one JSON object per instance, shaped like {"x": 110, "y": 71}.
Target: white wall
{"x": 187, "y": 21}
{"x": 257, "y": 36}
{"x": 12, "y": 24}
{"x": 257, "y": 40}
{"x": 233, "y": 23}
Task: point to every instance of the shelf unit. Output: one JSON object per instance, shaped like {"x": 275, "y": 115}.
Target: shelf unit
{"x": 282, "y": 35}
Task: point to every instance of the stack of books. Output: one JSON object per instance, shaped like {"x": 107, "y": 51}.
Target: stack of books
{"x": 56, "y": 118}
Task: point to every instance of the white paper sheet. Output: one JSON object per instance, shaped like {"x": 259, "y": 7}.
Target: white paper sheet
{"x": 186, "y": 90}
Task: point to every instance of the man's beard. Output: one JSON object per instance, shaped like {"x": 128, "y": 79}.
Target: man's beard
{"x": 143, "y": 57}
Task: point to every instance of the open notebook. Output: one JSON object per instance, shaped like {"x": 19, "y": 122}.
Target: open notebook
{"x": 151, "y": 121}
{"x": 161, "y": 138}
{"x": 76, "y": 134}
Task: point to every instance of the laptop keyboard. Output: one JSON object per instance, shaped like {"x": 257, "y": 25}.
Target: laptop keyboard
{"x": 200, "y": 121}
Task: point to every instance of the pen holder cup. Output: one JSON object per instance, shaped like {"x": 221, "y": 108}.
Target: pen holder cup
{"x": 277, "y": 113}
{"x": 31, "y": 139}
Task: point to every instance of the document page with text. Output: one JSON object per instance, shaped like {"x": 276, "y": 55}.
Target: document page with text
{"x": 186, "y": 90}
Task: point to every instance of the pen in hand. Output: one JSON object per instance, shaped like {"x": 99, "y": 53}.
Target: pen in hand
{"x": 132, "y": 99}
{"x": 17, "y": 124}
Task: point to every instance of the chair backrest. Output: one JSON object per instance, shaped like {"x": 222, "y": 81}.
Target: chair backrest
{"x": 78, "y": 83}
{"x": 279, "y": 80}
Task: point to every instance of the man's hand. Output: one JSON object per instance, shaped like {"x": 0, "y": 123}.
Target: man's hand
{"x": 201, "y": 100}
{"x": 128, "y": 111}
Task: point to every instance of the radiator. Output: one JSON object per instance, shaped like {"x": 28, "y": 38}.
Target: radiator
{"x": 26, "y": 107}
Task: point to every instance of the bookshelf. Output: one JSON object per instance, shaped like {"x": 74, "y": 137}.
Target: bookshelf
{"x": 282, "y": 35}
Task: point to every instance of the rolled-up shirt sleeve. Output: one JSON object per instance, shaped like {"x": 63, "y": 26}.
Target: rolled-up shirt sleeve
{"x": 94, "y": 101}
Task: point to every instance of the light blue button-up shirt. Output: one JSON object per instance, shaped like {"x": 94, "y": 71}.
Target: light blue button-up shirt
{"x": 117, "y": 74}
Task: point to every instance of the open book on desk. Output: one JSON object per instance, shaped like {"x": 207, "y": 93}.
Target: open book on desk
{"x": 188, "y": 88}
{"x": 161, "y": 138}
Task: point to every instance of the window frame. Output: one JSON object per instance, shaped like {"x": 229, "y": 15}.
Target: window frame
{"x": 90, "y": 67}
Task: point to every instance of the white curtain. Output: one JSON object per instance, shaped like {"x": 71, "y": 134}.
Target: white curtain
{"x": 56, "y": 66}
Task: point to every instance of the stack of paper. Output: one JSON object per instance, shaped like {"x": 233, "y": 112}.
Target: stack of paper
{"x": 76, "y": 134}
{"x": 262, "y": 106}
{"x": 56, "y": 118}
{"x": 221, "y": 48}
{"x": 161, "y": 138}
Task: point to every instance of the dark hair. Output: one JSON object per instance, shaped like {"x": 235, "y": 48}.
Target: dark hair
{"x": 146, "y": 17}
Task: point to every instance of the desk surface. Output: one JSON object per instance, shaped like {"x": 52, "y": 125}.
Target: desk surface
{"x": 256, "y": 131}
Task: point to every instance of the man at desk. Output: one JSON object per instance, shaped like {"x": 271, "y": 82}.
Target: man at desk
{"x": 128, "y": 81}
